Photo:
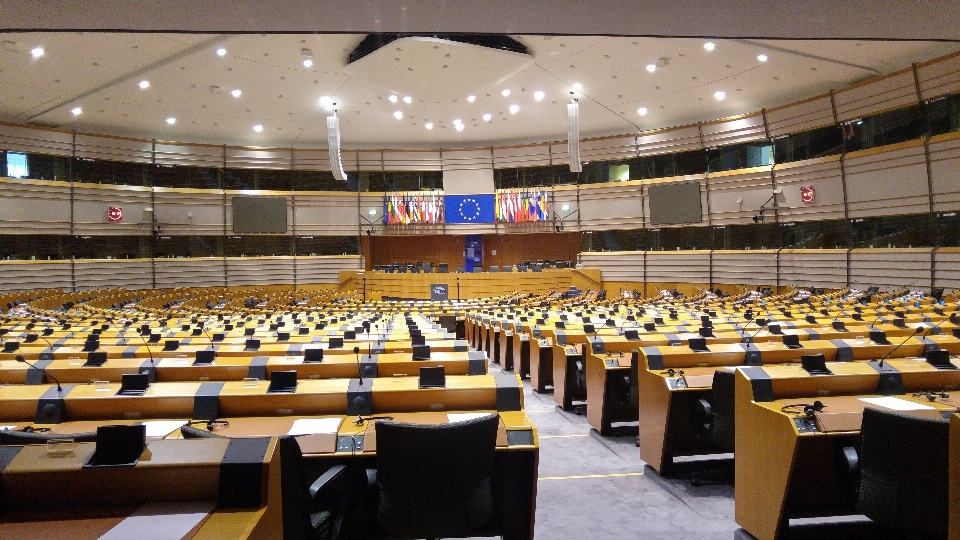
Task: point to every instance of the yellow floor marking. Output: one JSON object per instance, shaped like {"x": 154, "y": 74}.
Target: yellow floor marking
{"x": 590, "y": 476}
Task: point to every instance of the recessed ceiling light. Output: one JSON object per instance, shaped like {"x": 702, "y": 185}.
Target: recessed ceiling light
{"x": 459, "y": 127}
{"x": 325, "y": 100}
{"x": 144, "y": 84}
{"x": 398, "y": 115}
{"x": 505, "y": 93}
{"x": 709, "y": 46}
{"x": 307, "y": 62}
{"x": 471, "y": 99}
{"x": 407, "y": 99}
{"x": 221, "y": 51}
{"x": 171, "y": 120}
{"x": 514, "y": 109}
{"x": 762, "y": 57}
{"x": 577, "y": 87}
{"x": 392, "y": 98}
{"x": 457, "y": 121}
{"x": 428, "y": 125}
{"x": 538, "y": 95}
{"x": 258, "y": 128}
{"x": 235, "y": 93}
{"x": 37, "y": 52}
{"x": 642, "y": 111}
{"x": 719, "y": 95}
{"x": 651, "y": 67}
{"x": 487, "y": 117}
{"x": 76, "y": 111}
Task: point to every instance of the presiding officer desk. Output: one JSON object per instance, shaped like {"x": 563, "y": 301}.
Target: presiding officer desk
{"x": 178, "y": 486}
{"x": 789, "y": 463}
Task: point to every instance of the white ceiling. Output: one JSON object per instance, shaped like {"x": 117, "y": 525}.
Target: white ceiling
{"x": 100, "y": 72}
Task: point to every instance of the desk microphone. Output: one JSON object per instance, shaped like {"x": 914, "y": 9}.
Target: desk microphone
{"x": 356, "y": 351}
{"x": 750, "y": 339}
{"x": 20, "y": 358}
{"x": 45, "y": 340}
{"x": 149, "y": 350}
{"x": 915, "y": 332}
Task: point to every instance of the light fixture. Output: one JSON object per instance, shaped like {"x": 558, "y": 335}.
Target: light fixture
{"x": 372, "y": 212}
{"x": 235, "y": 93}
{"x": 471, "y": 99}
{"x": 565, "y": 207}
{"x": 514, "y": 109}
{"x": 651, "y": 67}
{"x": 398, "y": 115}
{"x": 221, "y": 51}
{"x": 642, "y": 111}
{"x": 719, "y": 95}
{"x": 144, "y": 84}
{"x": 258, "y": 128}
{"x": 37, "y": 52}
{"x": 459, "y": 127}
{"x": 762, "y": 57}
{"x": 392, "y": 98}
{"x": 307, "y": 62}
{"x": 307, "y": 56}
{"x": 428, "y": 125}
{"x": 486, "y": 117}
{"x": 505, "y": 93}
{"x": 324, "y": 101}
{"x": 76, "y": 111}
{"x": 538, "y": 95}
{"x": 171, "y": 120}
{"x": 577, "y": 87}
{"x": 709, "y": 46}
{"x": 457, "y": 122}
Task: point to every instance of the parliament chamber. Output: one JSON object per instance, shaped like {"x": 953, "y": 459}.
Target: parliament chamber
{"x": 394, "y": 272}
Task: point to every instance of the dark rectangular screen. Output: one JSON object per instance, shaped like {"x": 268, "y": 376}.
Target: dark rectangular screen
{"x": 675, "y": 203}
{"x": 259, "y": 215}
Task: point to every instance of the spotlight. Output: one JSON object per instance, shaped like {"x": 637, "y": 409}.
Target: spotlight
{"x": 459, "y": 127}
{"x": 235, "y": 93}
{"x": 505, "y": 93}
{"x": 651, "y": 67}
{"x": 428, "y": 125}
{"x": 565, "y": 207}
{"x": 471, "y": 99}
{"x": 324, "y": 101}
{"x": 762, "y": 57}
{"x": 307, "y": 62}
{"x": 577, "y": 87}
{"x": 709, "y": 46}
{"x": 144, "y": 84}
{"x": 398, "y": 115}
{"x": 37, "y": 52}
{"x": 258, "y": 128}
{"x": 307, "y": 56}
{"x": 171, "y": 120}
{"x": 392, "y": 98}
{"x": 221, "y": 51}
{"x": 76, "y": 111}
{"x": 642, "y": 111}
{"x": 487, "y": 117}
{"x": 407, "y": 99}
{"x": 514, "y": 109}
{"x": 538, "y": 95}
{"x": 719, "y": 95}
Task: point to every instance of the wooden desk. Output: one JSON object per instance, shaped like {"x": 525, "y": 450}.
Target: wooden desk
{"x": 541, "y": 364}
{"x": 787, "y": 464}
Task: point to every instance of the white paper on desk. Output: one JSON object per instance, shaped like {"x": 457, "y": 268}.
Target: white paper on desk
{"x": 463, "y": 417}
{"x": 4, "y": 428}
{"x": 162, "y": 428}
{"x": 312, "y": 426}
{"x": 161, "y": 521}
{"x": 895, "y": 404}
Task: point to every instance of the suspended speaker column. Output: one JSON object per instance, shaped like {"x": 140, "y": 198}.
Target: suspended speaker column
{"x": 573, "y": 136}
{"x": 333, "y": 144}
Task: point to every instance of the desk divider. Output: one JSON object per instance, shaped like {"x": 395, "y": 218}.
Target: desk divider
{"x": 36, "y": 375}
{"x": 760, "y": 382}
{"x": 654, "y": 358}
{"x": 477, "y": 363}
{"x": 241, "y": 473}
{"x": 206, "y": 402}
{"x": 844, "y": 351}
{"x": 257, "y": 369}
{"x": 508, "y": 393}
{"x": 149, "y": 367}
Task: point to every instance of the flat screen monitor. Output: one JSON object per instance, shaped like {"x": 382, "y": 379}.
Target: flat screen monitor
{"x": 259, "y": 215}
{"x": 675, "y": 203}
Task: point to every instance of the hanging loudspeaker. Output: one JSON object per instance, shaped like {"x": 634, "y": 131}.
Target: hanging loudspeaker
{"x": 333, "y": 144}
{"x": 573, "y": 136}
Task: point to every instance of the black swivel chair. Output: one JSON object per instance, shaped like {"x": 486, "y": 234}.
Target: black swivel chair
{"x": 904, "y": 472}
{"x": 436, "y": 480}
{"x": 713, "y": 422}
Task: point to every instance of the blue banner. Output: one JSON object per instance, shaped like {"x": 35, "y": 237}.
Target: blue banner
{"x": 469, "y": 208}
{"x": 473, "y": 252}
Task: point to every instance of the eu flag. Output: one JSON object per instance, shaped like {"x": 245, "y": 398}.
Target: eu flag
{"x": 469, "y": 208}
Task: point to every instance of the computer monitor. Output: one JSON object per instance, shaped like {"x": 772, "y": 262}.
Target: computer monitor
{"x": 815, "y": 364}
{"x": 312, "y": 356}
{"x": 118, "y": 445}
{"x": 433, "y": 377}
{"x": 706, "y": 331}
{"x": 419, "y": 340}
{"x": 939, "y": 359}
{"x": 219, "y": 336}
{"x": 282, "y": 382}
{"x": 171, "y": 344}
{"x": 879, "y": 337}
{"x": 421, "y": 352}
{"x": 283, "y": 336}
{"x": 335, "y": 343}
{"x": 792, "y": 341}
{"x": 252, "y": 345}
{"x": 133, "y": 384}
{"x": 698, "y": 344}
{"x": 249, "y": 331}
{"x": 96, "y": 359}
{"x": 588, "y": 329}
{"x": 631, "y": 334}
{"x": 350, "y": 334}
{"x": 205, "y": 358}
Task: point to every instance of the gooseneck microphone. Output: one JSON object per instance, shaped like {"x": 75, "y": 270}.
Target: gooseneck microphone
{"x": 147, "y": 345}
{"x": 915, "y": 332}
{"x": 356, "y": 351}
{"x": 20, "y": 358}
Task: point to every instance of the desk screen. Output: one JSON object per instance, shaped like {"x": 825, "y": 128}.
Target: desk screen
{"x": 671, "y": 204}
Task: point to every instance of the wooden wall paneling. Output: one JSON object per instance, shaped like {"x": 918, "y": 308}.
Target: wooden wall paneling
{"x": 668, "y": 140}
{"x": 191, "y": 155}
{"x": 736, "y": 196}
{"x": 608, "y": 148}
{"x": 36, "y": 139}
{"x": 940, "y": 76}
{"x": 325, "y": 269}
{"x": 28, "y": 275}
{"x": 892, "y": 91}
{"x": 823, "y": 175}
{"x": 945, "y": 172}
{"x": 528, "y": 155}
{"x": 825, "y": 268}
{"x": 34, "y": 207}
{"x": 129, "y": 274}
{"x": 331, "y": 213}
{"x": 617, "y": 205}
{"x": 411, "y": 160}
{"x": 91, "y": 146}
{"x": 250, "y": 157}
{"x": 752, "y": 267}
{"x": 947, "y": 263}
{"x": 482, "y": 285}
{"x": 890, "y": 268}
{"x": 513, "y": 249}
{"x": 616, "y": 266}
{"x": 803, "y": 115}
{"x": 91, "y": 202}
{"x": 259, "y": 270}
{"x": 733, "y": 130}
{"x": 185, "y": 211}
{"x": 190, "y": 272}
{"x": 687, "y": 266}
{"x": 887, "y": 181}
{"x": 316, "y": 159}
{"x": 704, "y": 207}
{"x": 230, "y": 193}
